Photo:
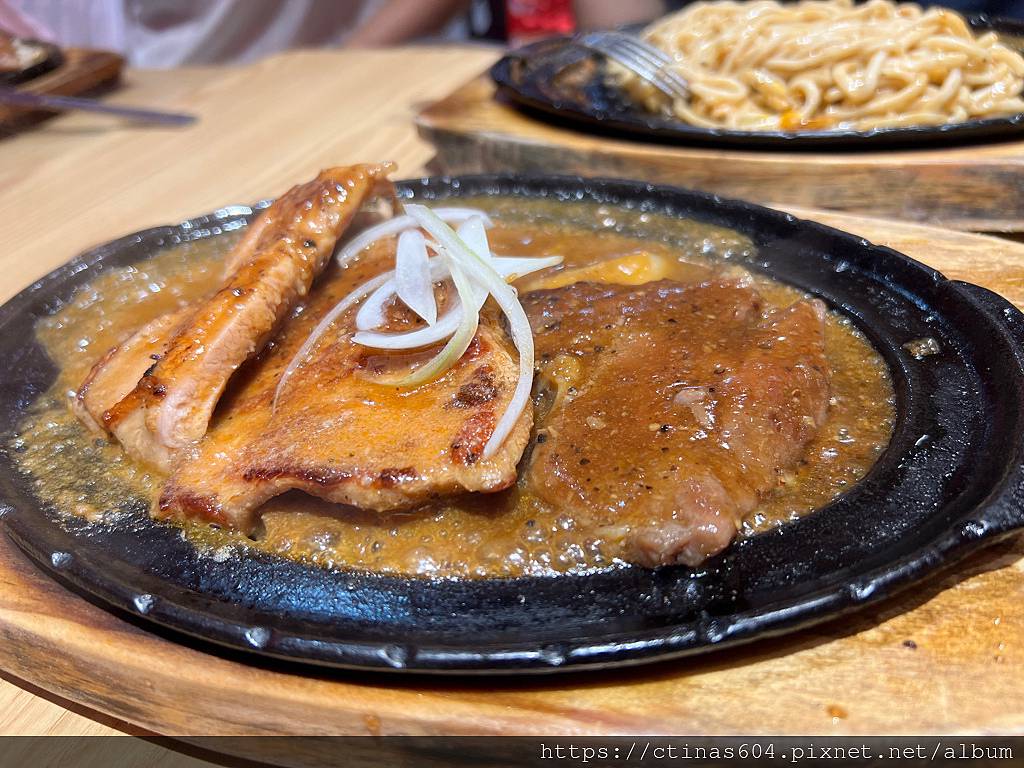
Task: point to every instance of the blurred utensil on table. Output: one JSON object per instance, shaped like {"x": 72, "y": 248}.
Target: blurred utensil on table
{"x": 67, "y": 103}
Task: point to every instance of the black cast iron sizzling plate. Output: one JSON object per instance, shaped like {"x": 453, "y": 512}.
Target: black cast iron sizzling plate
{"x": 951, "y": 481}
{"x": 530, "y": 78}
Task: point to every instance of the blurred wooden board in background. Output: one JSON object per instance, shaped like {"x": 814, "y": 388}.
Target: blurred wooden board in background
{"x": 81, "y": 73}
{"x": 972, "y": 187}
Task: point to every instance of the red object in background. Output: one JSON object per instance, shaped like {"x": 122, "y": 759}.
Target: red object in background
{"x": 530, "y": 19}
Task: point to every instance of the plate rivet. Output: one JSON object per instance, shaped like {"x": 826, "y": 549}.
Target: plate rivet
{"x": 60, "y": 559}
{"x": 973, "y": 530}
{"x": 143, "y": 603}
{"x": 395, "y": 655}
{"x": 257, "y": 637}
{"x": 552, "y": 655}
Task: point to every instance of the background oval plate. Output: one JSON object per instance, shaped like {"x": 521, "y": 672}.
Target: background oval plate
{"x": 950, "y": 481}
{"x": 528, "y": 78}
{"x": 50, "y": 57}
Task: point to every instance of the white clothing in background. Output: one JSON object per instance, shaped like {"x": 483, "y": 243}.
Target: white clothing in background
{"x": 169, "y": 33}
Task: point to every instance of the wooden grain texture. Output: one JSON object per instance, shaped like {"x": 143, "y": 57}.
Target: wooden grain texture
{"x": 82, "y": 71}
{"x": 974, "y": 187}
{"x": 82, "y": 179}
{"x": 78, "y": 181}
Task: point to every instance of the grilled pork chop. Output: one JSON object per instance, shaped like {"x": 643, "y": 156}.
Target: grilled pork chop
{"x": 116, "y": 373}
{"x": 164, "y": 407}
{"x": 341, "y": 434}
{"x": 673, "y": 409}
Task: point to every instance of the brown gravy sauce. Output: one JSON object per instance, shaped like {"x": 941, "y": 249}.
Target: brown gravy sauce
{"x": 505, "y": 534}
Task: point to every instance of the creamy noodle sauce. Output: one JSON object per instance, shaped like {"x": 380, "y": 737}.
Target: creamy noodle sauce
{"x": 505, "y": 534}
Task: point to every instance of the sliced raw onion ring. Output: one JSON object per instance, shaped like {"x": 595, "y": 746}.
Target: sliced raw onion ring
{"x": 371, "y": 313}
{"x": 412, "y": 275}
{"x": 466, "y": 257}
{"x": 474, "y": 235}
{"x": 510, "y": 267}
{"x": 394, "y": 226}
{"x": 514, "y": 267}
{"x": 460, "y": 340}
{"x": 483, "y": 273}
{"x": 309, "y": 344}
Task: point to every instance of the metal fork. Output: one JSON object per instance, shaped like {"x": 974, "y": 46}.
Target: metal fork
{"x": 639, "y": 56}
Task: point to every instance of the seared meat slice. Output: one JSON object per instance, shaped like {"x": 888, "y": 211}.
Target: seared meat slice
{"x": 341, "y": 434}
{"x": 168, "y": 405}
{"x": 673, "y": 410}
{"x": 116, "y": 373}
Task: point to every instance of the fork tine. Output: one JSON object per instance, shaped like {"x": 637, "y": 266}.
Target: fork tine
{"x": 657, "y": 57}
{"x": 657, "y": 75}
{"x": 608, "y": 36}
{"x": 633, "y": 54}
{"x": 644, "y": 69}
{"x": 642, "y": 48}
{"x": 647, "y": 61}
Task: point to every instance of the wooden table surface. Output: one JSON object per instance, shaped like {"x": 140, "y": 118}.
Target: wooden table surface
{"x": 81, "y": 180}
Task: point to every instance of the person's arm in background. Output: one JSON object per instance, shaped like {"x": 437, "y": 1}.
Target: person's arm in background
{"x": 15, "y": 22}
{"x": 398, "y": 21}
{"x": 609, "y": 14}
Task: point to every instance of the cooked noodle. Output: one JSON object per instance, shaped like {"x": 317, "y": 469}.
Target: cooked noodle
{"x": 822, "y": 64}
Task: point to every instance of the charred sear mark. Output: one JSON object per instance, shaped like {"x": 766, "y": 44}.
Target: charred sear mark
{"x": 468, "y": 445}
{"x": 321, "y": 476}
{"x": 393, "y": 476}
{"x": 189, "y": 504}
{"x": 150, "y": 385}
{"x": 479, "y": 390}
{"x": 478, "y": 347}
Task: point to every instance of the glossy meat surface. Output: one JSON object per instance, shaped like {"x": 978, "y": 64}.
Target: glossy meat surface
{"x": 341, "y": 434}
{"x": 116, "y": 373}
{"x": 671, "y": 409}
{"x": 168, "y": 406}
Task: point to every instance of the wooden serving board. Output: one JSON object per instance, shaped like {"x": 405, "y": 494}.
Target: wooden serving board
{"x": 979, "y": 188}
{"x": 82, "y": 72}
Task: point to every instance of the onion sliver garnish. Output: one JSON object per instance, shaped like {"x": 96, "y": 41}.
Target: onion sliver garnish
{"x": 394, "y": 226}
{"x": 371, "y": 313}
{"x": 460, "y": 340}
{"x": 412, "y": 275}
{"x": 309, "y": 344}
{"x": 445, "y": 326}
{"x": 482, "y": 272}
{"x": 514, "y": 267}
{"x": 474, "y": 235}
{"x": 465, "y": 257}
{"x": 509, "y": 267}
